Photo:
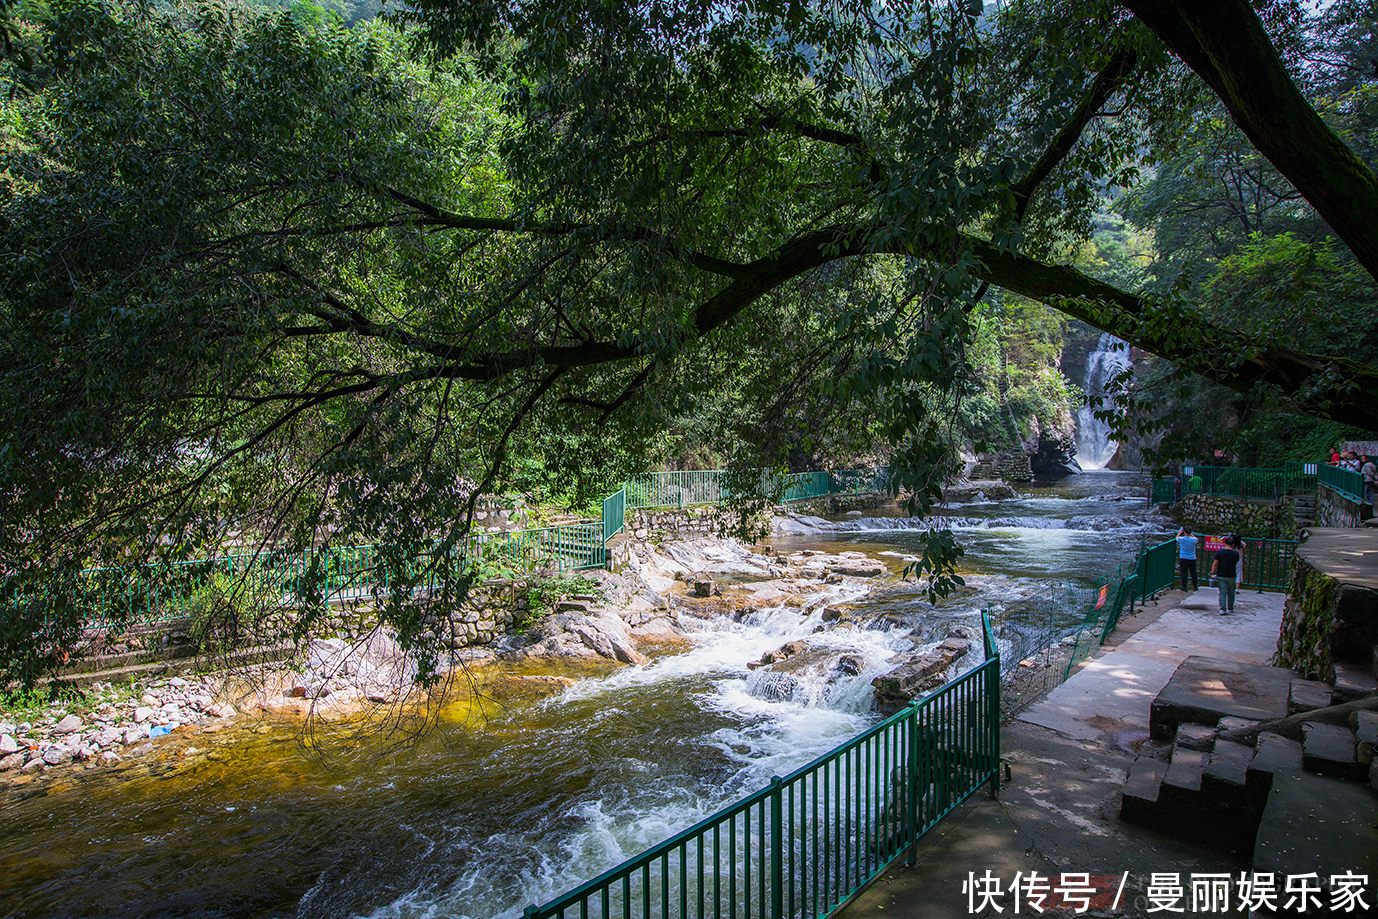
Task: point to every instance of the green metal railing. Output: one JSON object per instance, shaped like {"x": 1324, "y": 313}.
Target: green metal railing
{"x": 709, "y": 486}
{"x": 806, "y": 844}
{"x": 1156, "y": 568}
{"x": 160, "y": 593}
{"x": 800, "y": 486}
{"x": 1267, "y": 563}
{"x": 1245, "y": 483}
{"x": 1345, "y": 481}
{"x": 675, "y": 489}
{"x": 614, "y": 513}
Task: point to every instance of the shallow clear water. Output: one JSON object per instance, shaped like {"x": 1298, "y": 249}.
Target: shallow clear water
{"x": 513, "y": 801}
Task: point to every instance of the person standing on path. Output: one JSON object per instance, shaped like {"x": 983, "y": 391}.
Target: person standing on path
{"x": 1186, "y": 557}
{"x": 1225, "y": 571}
{"x": 1370, "y": 474}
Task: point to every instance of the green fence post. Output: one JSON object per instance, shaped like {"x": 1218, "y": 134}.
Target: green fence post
{"x": 777, "y": 849}
{"x": 915, "y": 823}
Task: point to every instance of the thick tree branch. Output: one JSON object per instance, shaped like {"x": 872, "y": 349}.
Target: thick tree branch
{"x": 1352, "y": 398}
{"x": 1110, "y": 78}
{"x": 820, "y": 133}
{"x": 440, "y": 218}
{"x": 1227, "y": 46}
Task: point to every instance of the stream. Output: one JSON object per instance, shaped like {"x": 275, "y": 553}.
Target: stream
{"x": 503, "y": 805}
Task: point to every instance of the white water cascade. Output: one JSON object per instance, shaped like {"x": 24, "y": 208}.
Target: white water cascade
{"x": 1094, "y": 446}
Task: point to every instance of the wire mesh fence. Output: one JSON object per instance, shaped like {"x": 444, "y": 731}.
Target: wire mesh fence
{"x": 1044, "y": 637}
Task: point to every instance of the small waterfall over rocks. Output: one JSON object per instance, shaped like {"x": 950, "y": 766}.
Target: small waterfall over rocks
{"x": 1094, "y": 446}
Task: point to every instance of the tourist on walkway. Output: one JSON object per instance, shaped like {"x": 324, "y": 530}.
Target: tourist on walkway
{"x": 1225, "y": 570}
{"x": 1370, "y": 473}
{"x": 1186, "y": 557}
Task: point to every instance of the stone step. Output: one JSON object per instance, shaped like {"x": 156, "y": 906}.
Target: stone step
{"x": 1273, "y": 753}
{"x": 1228, "y": 765}
{"x": 1307, "y": 696}
{"x": 1139, "y": 800}
{"x": 1329, "y": 749}
{"x": 1353, "y": 682}
{"x": 1366, "y": 735}
{"x": 1192, "y": 736}
{"x": 1198, "y": 793}
{"x": 1185, "y": 771}
{"x": 1317, "y": 823}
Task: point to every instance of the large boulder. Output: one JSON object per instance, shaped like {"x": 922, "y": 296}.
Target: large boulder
{"x": 860, "y": 567}
{"x": 917, "y": 675}
{"x": 1054, "y": 457}
{"x": 582, "y": 635}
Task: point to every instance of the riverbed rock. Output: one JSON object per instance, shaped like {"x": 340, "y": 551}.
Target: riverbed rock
{"x": 607, "y": 636}
{"x": 12, "y": 762}
{"x": 860, "y": 567}
{"x": 143, "y": 713}
{"x": 704, "y": 587}
{"x": 599, "y": 634}
{"x": 8, "y": 745}
{"x": 659, "y": 631}
{"x": 57, "y": 755}
{"x": 33, "y": 765}
{"x": 69, "y": 725}
{"x": 785, "y": 651}
{"x": 918, "y": 674}
{"x": 849, "y": 665}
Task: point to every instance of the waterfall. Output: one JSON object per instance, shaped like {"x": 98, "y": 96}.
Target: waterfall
{"x": 1094, "y": 446}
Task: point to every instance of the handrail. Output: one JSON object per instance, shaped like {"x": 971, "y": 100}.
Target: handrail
{"x": 813, "y": 844}
{"x": 1347, "y": 482}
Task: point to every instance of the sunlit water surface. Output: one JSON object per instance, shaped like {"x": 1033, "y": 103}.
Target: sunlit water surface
{"x": 513, "y": 801}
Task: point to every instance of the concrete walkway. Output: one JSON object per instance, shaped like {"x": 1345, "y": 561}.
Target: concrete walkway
{"x": 1069, "y": 755}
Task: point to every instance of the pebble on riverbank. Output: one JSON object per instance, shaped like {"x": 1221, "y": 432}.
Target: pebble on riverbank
{"x": 111, "y": 731}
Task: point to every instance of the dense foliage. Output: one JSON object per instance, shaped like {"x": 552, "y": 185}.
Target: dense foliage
{"x": 272, "y": 281}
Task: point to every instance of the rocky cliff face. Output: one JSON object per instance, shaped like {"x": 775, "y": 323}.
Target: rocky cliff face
{"x": 1054, "y": 457}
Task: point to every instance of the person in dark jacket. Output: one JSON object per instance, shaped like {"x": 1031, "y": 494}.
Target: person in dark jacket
{"x": 1226, "y": 569}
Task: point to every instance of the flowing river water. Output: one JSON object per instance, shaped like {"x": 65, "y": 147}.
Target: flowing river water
{"x": 508, "y": 803}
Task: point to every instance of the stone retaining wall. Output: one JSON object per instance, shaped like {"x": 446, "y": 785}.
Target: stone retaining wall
{"x": 1335, "y": 510}
{"x": 491, "y": 610}
{"x": 840, "y": 504}
{"x": 1325, "y": 621}
{"x": 1014, "y": 467}
{"x": 1217, "y": 514}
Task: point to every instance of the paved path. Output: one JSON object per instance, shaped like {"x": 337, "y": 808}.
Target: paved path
{"x": 1069, "y": 755}
{"x": 1109, "y": 698}
{"x": 1347, "y": 555}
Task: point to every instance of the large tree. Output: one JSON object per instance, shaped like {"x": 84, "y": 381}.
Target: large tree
{"x": 287, "y": 285}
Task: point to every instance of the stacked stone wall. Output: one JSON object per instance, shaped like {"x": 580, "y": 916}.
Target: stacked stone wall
{"x": 840, "y": 504}
{"x": 1014, "y": 467}
{"x": 1335, "y": 510}
{"x": 1217, "y": 514}
{"x": 1325, "y": 621}
{"x": 491, "y": 610}
{"x": 1308, "y": 619}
